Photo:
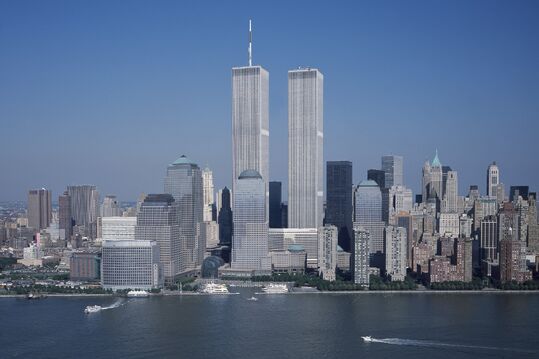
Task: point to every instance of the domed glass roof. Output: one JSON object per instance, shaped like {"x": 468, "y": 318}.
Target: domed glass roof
{"x": 368, "y": 183}
{"x": 183, "y": 160}
{"x": 250, "y": 174}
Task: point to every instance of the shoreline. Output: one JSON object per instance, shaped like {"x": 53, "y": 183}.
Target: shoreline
{"x": 366, "y": 292}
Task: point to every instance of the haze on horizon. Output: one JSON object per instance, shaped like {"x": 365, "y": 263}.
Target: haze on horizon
{"x": 110, "y": 92}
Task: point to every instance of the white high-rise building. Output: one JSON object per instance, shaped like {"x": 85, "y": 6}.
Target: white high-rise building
{"x": 250, "y": 121}
{"x": 250, "y": 239}
{"x": 396, "y": 249}
{"x": 327, "y": 252}
{"x": 118, "y": 228}
{"x": 493, "y": 179}
{"x": 360, "y": 256}
{"x": 400, "y": 200}
{"x": 450, "y": 203}
{"x": 110, "y": 207}
{"x": 207, "y": 188}
{"x": 305, "y": 148}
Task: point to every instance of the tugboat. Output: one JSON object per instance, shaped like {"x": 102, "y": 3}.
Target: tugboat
{"x": 92, "y": 309}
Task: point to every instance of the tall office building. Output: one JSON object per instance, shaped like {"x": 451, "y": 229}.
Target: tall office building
{"x": 225, "y": 218}
{"x": 450, "y": 204}
{"x": 432, "y": 180}
{"x": 305, "y": 148}
{"x": 396, "y": 252}
{"x": 158, "y": 221}
{"x": 378, "y": 176}
{"x": 250, "y": 238}
{"x": 250, "y": 121}
{"x": 207, "y": 188}
{"x": 131, "y": 264}
{"x": 493, "y": 179}
{"x": 516, "y": 191}
{"x": 359, "y": 258}
{"x": 110, "y": 207}
{"x": 393, "y": 170}
{"x": 488, "y": 248}
{"x": 84, "y": 203}
{"x": 118, "y": 228}
{"x": 65, "y": 221}
{"x": 339, "y": 204}
{"x": 39, "y": 209}
{"x": 184, "y": 182}
{"x": 275, "y": 205}
{"x": 400, "y": 199}
{"x": 327, "y": 252}
{"x": 368, "y": 215}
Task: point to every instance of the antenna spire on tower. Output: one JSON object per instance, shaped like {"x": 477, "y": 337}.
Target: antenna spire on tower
{"x": 250, "y": 49}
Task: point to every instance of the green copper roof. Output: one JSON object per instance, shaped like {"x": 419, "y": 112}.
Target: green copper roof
{"x": 183, "y": 161}
{"x": 250, "y": 174}
{"x": 436, "y": 161}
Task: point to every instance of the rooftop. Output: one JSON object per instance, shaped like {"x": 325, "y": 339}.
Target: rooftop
{"x": 250, "y": 174}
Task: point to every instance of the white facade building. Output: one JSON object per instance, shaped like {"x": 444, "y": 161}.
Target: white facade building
{"x": 396, "y": 252}
{"x": 360, "y": 261}
{"x": 282, "y": 238}
{"x": 327, "y": 252}
{"x": 131, "y": 264}
{"x": 118, "y": 228}
{"x": 250, "y": 238}
{"x": 207, "y": 189}
{"x": 305, "y": 148}
{"x": 449, "y": 224}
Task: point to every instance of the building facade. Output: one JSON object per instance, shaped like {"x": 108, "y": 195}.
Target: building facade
{"x": 339, "y": 201}
{"x": 327, "y": 252}
{"x": 39, "y": 209}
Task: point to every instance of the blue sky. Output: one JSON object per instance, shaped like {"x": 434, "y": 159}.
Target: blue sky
{"x": 110, "y": 92}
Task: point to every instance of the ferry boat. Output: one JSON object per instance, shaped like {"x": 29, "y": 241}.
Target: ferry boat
{"x": 92, "y": 309}
{"x": 275, "y": 288}
{"x": 367, "y": 338}
{"x": 213, "y": 288}
{"x": 137, "y": 293}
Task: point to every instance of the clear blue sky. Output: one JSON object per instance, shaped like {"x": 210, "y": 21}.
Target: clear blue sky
{"x": 110, "y": 92}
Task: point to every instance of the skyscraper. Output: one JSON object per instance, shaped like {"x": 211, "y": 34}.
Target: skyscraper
{"x": 275, "y": 205}
{"x": 250, "y": 238}
{"x": 432, "y": 180}
{"x": 250, "y": 121}
{"x": 493, "y": 179}
{"x": 368, "y": 215}
{"x": 393, "y": 170}
{"x": 327, "y": 252}
{"x": 305, "y": 148}
{"x": 396, "y": 252}
{"x": 360, "y": 256}
{"x": 157, "y": 221}
{"x": 378, "y": 176}
{"x": 65, "y": 221}
{"x": 39, "y": 209}
{"x": 84, "y": 203}
{"x": 110, "y": 207}
{"x": 207, "y": 185}
{"x": 339, "y": 204}
{"x": 225, "y": 218}
{"x": 184, "y": 182}
{"x": 451, "y": 193}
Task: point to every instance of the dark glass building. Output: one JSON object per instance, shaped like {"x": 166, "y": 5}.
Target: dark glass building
{"x": 275, "y": 218}
{"x": 378, "y": 176}
{"x": 516, "y": 191}
{"x": 339, "y": 204}
{"x": 225, "y": 219}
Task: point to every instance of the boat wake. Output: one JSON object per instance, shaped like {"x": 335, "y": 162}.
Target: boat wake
{"x": 435, "y": 344}
{"x": 116, "y": 304}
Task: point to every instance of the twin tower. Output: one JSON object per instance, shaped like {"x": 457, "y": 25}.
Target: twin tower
{"x": 250, "y": 136}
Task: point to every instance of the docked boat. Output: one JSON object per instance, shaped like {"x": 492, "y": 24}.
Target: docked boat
{"x": 137, "y": 294}
{"x": 92, "y": 309}
{"x": 214, "y": 288}
{"x": 35, "y": 296}
{"x": 273, "y": 288}
{"x": 253, "y": 299}
{"x": 367, "y": 338}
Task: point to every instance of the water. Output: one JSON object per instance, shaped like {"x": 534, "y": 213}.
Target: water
{"x": 275, "y": 326}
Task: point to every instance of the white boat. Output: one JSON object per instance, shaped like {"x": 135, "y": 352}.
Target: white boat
{"x": 253, "y": 299}
{"x": 137, "y": 293}
{"x": 275, "y": 288}
{"x": 367, "y": 338}
{"x": 213, "y": 288}
{"x": 92, "y": 309}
